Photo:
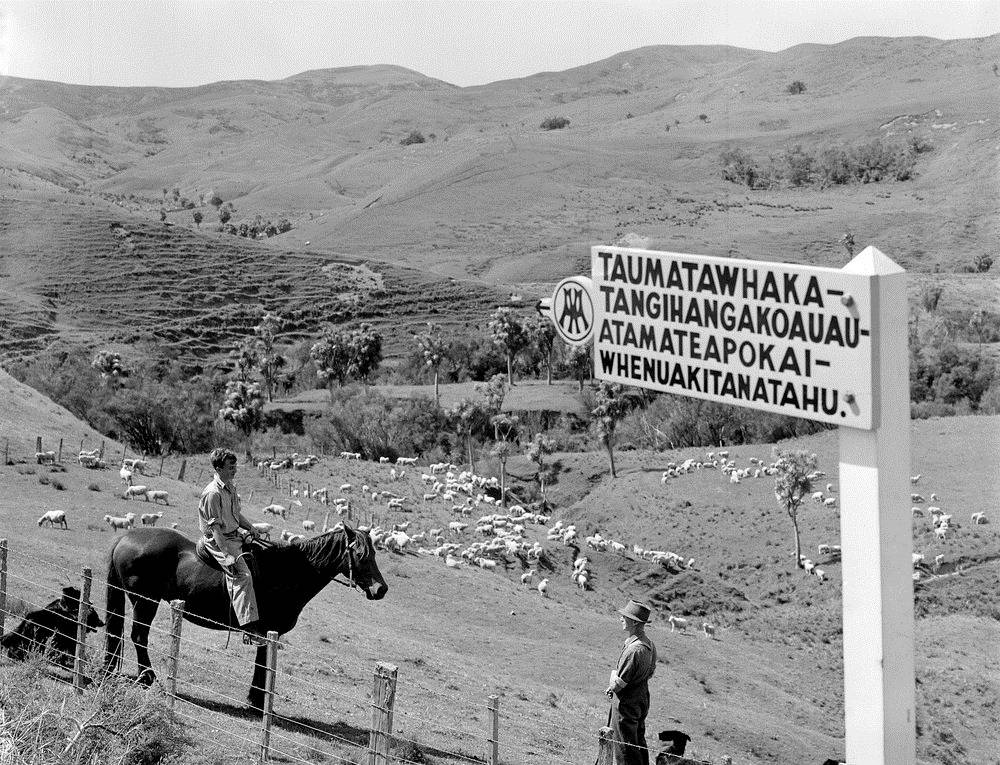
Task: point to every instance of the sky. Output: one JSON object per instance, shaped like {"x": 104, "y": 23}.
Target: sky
{"x": 464, "y": 42}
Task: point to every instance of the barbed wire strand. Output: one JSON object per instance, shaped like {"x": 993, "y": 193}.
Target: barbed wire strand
{"x": 283, "y": 673}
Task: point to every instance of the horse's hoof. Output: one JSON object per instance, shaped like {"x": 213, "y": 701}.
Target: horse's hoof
{"x": 146, "y": 677}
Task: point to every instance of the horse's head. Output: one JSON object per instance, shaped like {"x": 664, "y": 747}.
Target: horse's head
{"x": 365, "y": 572}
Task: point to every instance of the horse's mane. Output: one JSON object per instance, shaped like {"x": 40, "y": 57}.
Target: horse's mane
{"x": 326, "y": 551}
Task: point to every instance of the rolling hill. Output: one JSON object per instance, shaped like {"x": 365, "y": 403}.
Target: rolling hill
{"x": 488, "y": 198}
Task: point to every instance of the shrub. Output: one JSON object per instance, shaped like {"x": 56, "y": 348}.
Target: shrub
{"x": 57, "y": 484}
{"x": 796, "y": 87}
{"x": 93, "y": 487}
{"x": 43, "y": 480}
{"x": 703, "y": 117}
{"x": 554, "y": 123}
{"x": 982, "y": 263}
{"x": 415, "y": 136}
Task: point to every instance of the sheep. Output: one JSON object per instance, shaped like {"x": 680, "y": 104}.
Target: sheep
{"x": 117, "y": 522}
{"x": 150, "y": 519}
{"x": 527, "y": 576}
{"x": 582, "y": 580}
{"x": 457, "y": 526}
{"x": 820, "y": 574}
{"x": 543, "y": 588}
{"x": 916, "y": 512}
{"x": 829, "y": 488}
{"x": 53, "y": 517}
{"x": 308, "y": 525}
{"x": 45, "y": 457}
{"x": 915, "y": 478}
{"x": 157, "y": 494}
{"x": 708, "y": 629}
{"x": 938, "y": 560}
{"x": 126, "y": 475}
{"x": 345, "y": 487}
{"x": 430, "y": 496}
{"x": 916, "y": 498}
{"x": 941, "y": 531}
{"x": 288, "y": 536}
{"x": 830, "y": 502}
{"x": 276, "y": 510}
{"x": 823, "y": 549}
{"x": 137, "y": 464}
{"x": 978, "y": 518}
{"x": 383, "y": 460}
{"x": 678, "y": 623}
{"x": 406, "y": 460}
{"x": 136, "y": 491}
{"x": 934, "y": 497}
{"x": 264, "y": 529}
{"x": 817, "y": 496}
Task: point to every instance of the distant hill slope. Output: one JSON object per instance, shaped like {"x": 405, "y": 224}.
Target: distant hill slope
{"x": 26, "y": 414}
{"x": 489, "y": 196}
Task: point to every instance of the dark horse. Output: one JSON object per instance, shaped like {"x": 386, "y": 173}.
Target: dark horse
{"x": 154, "y": 564}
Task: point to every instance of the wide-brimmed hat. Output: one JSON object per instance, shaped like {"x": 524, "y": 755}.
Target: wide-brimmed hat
{"x": 636, "y": 611}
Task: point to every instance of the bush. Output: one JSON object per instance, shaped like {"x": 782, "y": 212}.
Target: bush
{"x": 796, "y": 87}
{"x": 703, "y": 117}
{"x": 415, "y": 136}
{"x": 57, "y": 484}
{"x": 43, "y": 480}
{"x": 982, "y": 263}
{"x": 554, "y": 123}
{"x": 93, "y": 487}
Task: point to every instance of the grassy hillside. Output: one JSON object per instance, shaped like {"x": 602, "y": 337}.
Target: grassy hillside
{"x": 767, "y": 690}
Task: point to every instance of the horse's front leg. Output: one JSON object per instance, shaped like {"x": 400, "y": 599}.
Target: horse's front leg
{"x": 256, "y": 695}
{"x": 142, "y": 616}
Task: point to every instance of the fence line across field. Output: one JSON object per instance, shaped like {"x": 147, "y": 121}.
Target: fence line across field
{"x": 381, "y": 735}
{"x": 463, "y": 677}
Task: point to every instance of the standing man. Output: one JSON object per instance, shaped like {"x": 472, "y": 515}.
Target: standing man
{"x": 628, "y": 688}
{"x": 220, "y": 521}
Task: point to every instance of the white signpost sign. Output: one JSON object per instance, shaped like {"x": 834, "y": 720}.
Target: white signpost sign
{"x": 820, "y": 343}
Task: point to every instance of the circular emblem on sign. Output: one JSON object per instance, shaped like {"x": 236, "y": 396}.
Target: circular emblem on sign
{"x": 573, "y": 309}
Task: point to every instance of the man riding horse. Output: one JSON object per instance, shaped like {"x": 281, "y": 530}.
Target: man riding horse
{"x": 221, "y": 521}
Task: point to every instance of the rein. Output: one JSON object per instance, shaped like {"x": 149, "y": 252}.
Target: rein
{"x": 350, "y": 569}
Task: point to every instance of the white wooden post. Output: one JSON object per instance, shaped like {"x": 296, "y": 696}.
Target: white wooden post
{"x": 876, "y": 539}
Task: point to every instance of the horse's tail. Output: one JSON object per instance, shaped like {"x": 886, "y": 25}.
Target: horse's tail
{"x": 115, "y": 625}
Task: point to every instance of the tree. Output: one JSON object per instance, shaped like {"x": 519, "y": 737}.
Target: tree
{"x": 494, "y": 391}
{"x": 163, "y": 215}
{"x": 539, "y": 448}
{"x": 544, "y": 336}
{"x": 243, "y": 406}
{"x": 109, "y": 364}
{"x": 331, "y": 354}
{"x": 226, "y": 213}
{"x": 467, "y": 417}
{"x": 796, "y": 87}
{"x": 505, "y": 431}
{"x": 982, "y": 263}
{"x": 197, "y": 216}
{"x": 792, "y": 484}
{"x": 978, "y": 327}
{"x": 269, "y": 361}
{"x": 580, "y": 362}
{"x": 613, "y": 403}
{"x": 365, "y": 352}
{"x": 433, "y": 348}
{"x": 509, "y": 334}
{"x": 848, "y": 241}
{"x": 244, "y": 358}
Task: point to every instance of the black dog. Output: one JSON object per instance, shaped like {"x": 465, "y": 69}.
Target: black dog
{"x": 52, "y": 628}
{"x": 672, "y": 753}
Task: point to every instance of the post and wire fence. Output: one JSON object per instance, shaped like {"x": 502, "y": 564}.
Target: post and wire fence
{"x": 384, "y": 744}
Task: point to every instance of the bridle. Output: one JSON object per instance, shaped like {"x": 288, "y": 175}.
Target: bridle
{"x": 350, "y": 567}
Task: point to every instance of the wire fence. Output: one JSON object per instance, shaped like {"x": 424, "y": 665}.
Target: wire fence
{"x": 207, "y": 677}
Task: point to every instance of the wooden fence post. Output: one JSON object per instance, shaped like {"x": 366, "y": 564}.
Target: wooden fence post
{"x": 59, "y": 456}
{"x": 493, "y": 736}
{"x": 266, "y": 719}
{"x": 3, "y": 583}
{"x": 83, "y": 611}
{"x": 383, "y": 696}
{"x": 605, "y": 747}
{"x": 100, "y": 454}
{"x": 180, "y": 473}
{"x": 176, "y": 620}
{"x": 162, "y": 456}
{"x": 38, "y": 443}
